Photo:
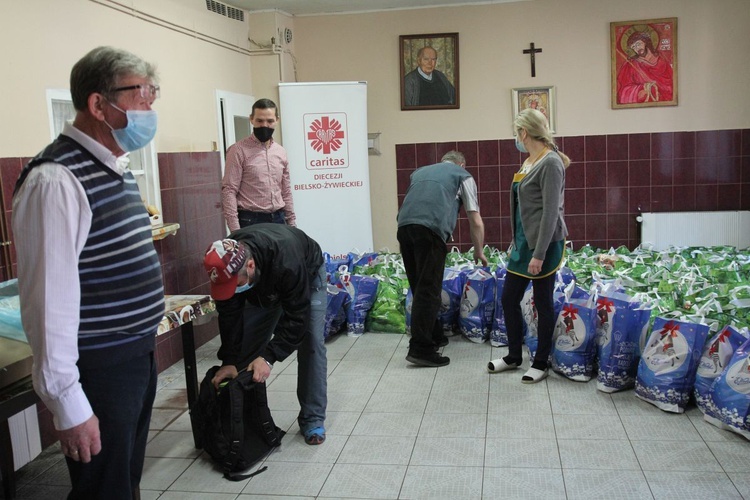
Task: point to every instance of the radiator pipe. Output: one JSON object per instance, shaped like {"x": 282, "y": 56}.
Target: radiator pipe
{"x": 638, "y": 225}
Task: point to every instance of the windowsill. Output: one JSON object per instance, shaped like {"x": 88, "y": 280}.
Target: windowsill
{"x": 161, "y": 231}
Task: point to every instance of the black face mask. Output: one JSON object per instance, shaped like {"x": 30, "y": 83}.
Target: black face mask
{"x": 263, "y": 134}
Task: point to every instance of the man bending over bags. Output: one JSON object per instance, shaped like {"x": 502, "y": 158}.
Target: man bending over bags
{"x": 269, "y": 284}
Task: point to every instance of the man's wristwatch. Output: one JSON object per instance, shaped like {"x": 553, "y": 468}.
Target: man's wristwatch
{"x": 270, "y": 365}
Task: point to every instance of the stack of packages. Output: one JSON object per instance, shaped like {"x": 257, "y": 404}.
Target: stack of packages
{"x": 672, "y": 324}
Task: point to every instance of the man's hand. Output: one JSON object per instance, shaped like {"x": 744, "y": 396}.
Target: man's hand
{"x": 82, "y": 441}
{"x": 260, "y": 369}
{"x": 227, "y": 371}
{"x": 479, "y": 256}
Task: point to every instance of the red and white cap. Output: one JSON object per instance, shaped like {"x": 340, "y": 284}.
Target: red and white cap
{"x": 223, "y": 261}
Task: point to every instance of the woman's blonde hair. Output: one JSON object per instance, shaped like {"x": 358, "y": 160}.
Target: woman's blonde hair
{"x": 535, "y": 124}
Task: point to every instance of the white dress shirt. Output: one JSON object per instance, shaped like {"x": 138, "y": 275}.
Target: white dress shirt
{"x": 51, "y": 222}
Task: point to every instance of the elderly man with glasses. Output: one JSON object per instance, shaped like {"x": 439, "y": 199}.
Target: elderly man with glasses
{"x": 89, "y": 278}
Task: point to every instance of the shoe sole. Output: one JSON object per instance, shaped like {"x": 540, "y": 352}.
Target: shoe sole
{"x": 425, "y": 362}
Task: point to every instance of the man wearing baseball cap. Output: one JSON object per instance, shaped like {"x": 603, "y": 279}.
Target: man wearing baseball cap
{"x": 269, "y": 284}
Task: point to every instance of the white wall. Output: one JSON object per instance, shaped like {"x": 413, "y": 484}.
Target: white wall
{"x": 574, "y": 35}
{"x": 42, "y": 39}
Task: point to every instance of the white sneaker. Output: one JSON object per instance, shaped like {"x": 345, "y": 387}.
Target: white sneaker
{"x": 499, "y": 365}
{"x": 534, "y": 375}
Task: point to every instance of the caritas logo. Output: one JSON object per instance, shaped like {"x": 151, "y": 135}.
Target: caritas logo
{"x": 327, "y": 144}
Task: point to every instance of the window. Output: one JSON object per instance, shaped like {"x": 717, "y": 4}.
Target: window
{"x": 143, "y": 163}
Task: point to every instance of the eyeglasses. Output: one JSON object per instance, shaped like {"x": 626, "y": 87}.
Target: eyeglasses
{"x": 146, "y": 91}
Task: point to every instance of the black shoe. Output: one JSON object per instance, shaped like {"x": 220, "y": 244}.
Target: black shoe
{"x": 433, "y": 359}
{"x": 441, "y": 343}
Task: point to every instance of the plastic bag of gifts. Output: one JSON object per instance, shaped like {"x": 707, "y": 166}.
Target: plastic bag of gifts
{"x": 730, "y": 394}
{"x": 499, "y": 332}
{"x": 335, "y": 313}
{"x": 334, "y": 263}
{"x": 666, "y": 371}
{"x": 574, "y": 341}
{"x": 387, "y": 313}
{"x": 717, "y": 352}
{"x": 477, "y": 305}
{"x": 362, "y": 291}
{"x": 621, "y": 321}
{"x": 531, "y": 317}
{"x": 450, "y": 300}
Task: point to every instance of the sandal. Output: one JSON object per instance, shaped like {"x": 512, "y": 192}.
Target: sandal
{"x": 314, "y": 436}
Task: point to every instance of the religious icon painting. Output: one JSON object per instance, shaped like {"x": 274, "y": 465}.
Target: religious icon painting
{"x": 644, "y": 63}
{"x": 429, "y": 71}
{"x": 539, "y": 98}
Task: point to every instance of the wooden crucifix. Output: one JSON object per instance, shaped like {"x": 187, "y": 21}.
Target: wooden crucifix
{"x": 532, "y": 51}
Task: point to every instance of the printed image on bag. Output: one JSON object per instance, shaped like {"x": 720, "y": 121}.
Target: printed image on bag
{"x": 716, "y": 355}
{"x": 730, "y": 394}
{"x": 666, "y": 372}
{"x": 574, "y": 342}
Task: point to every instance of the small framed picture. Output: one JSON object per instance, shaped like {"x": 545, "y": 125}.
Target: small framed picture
{"x": 539, "y": 98}
{"x": 644, "y": 63}
{"x": 429, "y": 71}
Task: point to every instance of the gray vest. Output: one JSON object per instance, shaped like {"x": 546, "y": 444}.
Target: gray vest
{"x": 432, "y": 199}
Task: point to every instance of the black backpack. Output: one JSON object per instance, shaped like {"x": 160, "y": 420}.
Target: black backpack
{"x": 234, "y": 424}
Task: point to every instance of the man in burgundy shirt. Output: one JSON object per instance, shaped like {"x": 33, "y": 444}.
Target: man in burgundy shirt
{"x": 256, "y": 184}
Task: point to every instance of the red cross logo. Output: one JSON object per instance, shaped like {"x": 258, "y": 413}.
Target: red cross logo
{"x": 325, "y": 135}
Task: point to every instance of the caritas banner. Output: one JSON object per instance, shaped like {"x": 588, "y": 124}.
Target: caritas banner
{"x": 324, "y": 127}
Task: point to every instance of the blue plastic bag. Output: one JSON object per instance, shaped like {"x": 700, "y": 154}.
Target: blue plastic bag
{"x": 362, "y": 291}
{"x": 730, "y": 394}
{"x": 333, "y": 263}
{"x": 574, "y": 342}
{"x": 477, "y": 305}
{"x": 335, "y": 314}
{"x": 450, "y": 298}
{"x": 620, "y": 322}
{"x": 715, "y": 357}
{"x": 666, "y": 372}
{"x": 499, "y": 333}
{"x": 531, "y": 321}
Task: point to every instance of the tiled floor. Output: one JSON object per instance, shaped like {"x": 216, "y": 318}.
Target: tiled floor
{"x": 457, "y": 432}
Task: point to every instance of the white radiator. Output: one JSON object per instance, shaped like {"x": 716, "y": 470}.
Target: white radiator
{"x": 663, "y": 229}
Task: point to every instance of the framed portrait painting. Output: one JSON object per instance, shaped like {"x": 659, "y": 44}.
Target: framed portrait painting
{"x": 644, "y": 63}
{"x": 539, "y": 98}
{"x": 429, "y": 71}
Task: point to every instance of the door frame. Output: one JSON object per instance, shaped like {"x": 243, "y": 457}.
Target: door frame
{"x": 230, "y": 104}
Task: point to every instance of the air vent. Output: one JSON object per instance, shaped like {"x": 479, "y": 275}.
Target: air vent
{"x": 225, "y": 10}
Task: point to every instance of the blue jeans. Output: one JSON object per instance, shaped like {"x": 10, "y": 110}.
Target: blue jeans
{"x": 258, "y": 327}
{"x": 248, "y": 218}
{"x": 122, "y": 397}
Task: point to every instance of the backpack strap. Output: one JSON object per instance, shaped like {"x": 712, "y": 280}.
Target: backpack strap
{"x": 236, "y": 427}
{"x": 261, "y": 412}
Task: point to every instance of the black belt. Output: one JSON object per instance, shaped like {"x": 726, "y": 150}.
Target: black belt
{"x": 241, "y": 211}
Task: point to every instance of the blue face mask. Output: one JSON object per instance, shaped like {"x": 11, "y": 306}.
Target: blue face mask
{"x": 140, "y": 130}
{"x": 244, "y": 288}
{"x": 519, "y": 144}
